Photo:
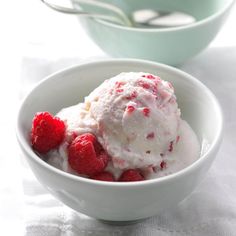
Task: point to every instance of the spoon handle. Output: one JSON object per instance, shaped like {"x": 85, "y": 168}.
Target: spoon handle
{"x": 68, "y": 10}
{"x": 108, "y": 7}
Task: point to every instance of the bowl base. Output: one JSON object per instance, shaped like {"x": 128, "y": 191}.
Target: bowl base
{"x": 121, "y": 223}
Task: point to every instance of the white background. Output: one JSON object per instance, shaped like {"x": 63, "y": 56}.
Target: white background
{"x": 28, "y": 28}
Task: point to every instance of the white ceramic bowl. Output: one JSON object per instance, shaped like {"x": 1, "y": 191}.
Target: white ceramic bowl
{"x": 121, "y": 201}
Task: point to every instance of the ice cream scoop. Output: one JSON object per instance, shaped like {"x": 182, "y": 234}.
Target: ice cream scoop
{"x": 137, "y": 118}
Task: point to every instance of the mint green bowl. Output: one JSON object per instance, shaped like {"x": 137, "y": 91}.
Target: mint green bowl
{"x": 167, "y": 45}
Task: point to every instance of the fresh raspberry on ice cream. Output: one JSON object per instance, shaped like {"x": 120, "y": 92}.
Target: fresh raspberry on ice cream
{"x": 47, "y": 132}
{"x": 86, "y": 156}
{"x": 104, "y": 176}
{"x": 131, "y": 175}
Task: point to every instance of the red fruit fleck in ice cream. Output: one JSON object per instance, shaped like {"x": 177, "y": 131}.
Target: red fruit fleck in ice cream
{"x": 86, "y": 156}
{"x": 130, "y": 108}
{"x": 149, "y": 76}
{"x": 119, "y": 84}
{"x": 119, "y": 90}
{"x": 150, "y": 135}
{"x": 146, "y": 111}
{"x": 163, "y": 165}
{"x": 47, "y": 132}
{"x": 132, "y": 95}
{"x": 177, "y": 139}
{"x": 144, "y": 84}
{"x": 171, "y": 146}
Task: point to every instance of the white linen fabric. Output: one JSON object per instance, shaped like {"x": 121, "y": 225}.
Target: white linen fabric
{"x": 209, "y": 210}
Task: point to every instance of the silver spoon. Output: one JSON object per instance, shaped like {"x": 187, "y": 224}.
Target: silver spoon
{"x": 118, "y": 16}
{"x": 140, "y": 18}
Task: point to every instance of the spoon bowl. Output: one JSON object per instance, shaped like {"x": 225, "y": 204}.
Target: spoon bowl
{"x": 160, "y": 19}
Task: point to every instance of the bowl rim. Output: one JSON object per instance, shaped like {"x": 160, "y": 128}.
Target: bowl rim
{"x": 26, "y": 148}
{"x": 171, "y": 29}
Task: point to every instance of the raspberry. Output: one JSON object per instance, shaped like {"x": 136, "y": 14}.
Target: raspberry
{"x": 47, "y": 132}
{"x": 86, "y": 156}
{"x": 131, "y": 175}
{"x": 104, "y": 176}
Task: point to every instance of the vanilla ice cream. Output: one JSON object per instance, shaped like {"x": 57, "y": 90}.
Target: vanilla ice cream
{"x": 136, "y": 119}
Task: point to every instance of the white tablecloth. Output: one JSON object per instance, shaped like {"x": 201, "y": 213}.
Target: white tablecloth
{"x": 209, "y": 210}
